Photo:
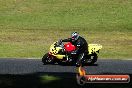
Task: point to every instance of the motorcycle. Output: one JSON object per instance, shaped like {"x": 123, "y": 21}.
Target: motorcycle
{"x": 61, "y": 53}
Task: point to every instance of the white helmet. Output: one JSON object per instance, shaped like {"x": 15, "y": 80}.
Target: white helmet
{"x": 74, "y": 36}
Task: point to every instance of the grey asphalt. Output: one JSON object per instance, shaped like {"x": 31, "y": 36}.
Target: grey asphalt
{"x": 27, "y": 66}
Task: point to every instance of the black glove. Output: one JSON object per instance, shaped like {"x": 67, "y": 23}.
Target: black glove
{"x": 59, "y": 42}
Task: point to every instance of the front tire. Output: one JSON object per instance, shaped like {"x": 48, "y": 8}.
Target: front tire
{"x": 46, "y": 59}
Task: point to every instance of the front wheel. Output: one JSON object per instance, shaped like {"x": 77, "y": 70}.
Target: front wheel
{"x": 46, "y": 59}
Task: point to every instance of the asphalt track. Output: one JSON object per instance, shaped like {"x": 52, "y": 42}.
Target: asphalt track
{"x": 28, "y": 66}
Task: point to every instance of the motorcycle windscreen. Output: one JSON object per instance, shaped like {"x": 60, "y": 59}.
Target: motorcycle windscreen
{"x": 69, "y": 47}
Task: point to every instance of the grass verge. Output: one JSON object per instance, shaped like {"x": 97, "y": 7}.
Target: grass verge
{"x": 28, "y": 27}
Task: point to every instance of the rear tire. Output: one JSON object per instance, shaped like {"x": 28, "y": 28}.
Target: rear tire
{"x": 92, "y": 59}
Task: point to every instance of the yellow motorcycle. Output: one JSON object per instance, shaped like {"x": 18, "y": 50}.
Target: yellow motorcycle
{"x": 60, "y": 53}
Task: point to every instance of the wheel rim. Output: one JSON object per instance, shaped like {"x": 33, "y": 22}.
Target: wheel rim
{"x": 49, "y": 60}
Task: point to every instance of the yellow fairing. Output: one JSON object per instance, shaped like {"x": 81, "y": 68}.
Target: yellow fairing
{"x": 52, "y": 47}
{"x": 94, "y": 48}
{"x": 59, "y": 56}
{"x": 54, "y": 51}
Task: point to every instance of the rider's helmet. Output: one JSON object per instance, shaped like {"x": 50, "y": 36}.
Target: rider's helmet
{"x": 74, "y": 36}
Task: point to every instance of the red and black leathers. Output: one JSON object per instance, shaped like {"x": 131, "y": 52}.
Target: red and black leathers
{"x": 80, "y": 44}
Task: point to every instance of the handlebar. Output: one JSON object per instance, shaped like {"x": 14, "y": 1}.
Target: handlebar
{"x": 59, "y": 43}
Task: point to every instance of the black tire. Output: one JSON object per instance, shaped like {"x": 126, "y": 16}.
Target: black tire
{"x": 47, "y": 60}
{"x": 91, "y": 59}
{"x": 95, "y": 57}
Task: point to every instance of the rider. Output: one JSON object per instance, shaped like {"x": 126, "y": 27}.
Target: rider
{"x": 81, "y": 46}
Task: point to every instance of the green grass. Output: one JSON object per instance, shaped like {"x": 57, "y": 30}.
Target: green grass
{"x": 28, "y": 27}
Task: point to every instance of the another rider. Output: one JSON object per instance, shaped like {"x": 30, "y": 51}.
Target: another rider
{"x": 81, "y": 46}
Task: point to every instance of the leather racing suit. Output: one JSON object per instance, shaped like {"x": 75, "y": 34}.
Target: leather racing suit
{"x": 81, "y": 48}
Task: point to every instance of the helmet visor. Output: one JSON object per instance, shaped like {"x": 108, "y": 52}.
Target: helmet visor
{"x": 74, "y": 36}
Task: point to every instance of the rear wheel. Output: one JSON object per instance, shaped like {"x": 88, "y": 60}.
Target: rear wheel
{"x": 91, "y": 59}
{"x": 46, "y": 59}
{"x": 94, "y": 58}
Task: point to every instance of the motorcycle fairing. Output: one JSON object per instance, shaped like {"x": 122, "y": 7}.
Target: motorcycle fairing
{"x": 69, "y": 47}
{"x": 54, "y": 51}
{"x": 93, "y": 48}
